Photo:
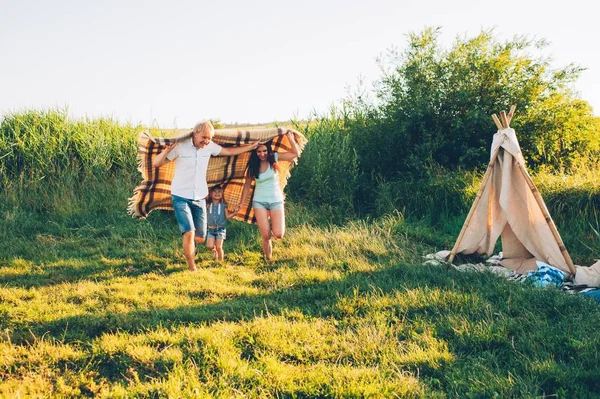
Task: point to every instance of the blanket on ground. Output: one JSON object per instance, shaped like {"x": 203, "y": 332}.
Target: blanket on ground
{"x": 154, "y": 192}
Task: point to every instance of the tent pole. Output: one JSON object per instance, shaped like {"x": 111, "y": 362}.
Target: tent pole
{"x": 511, "y": 113}
{"x": 504, "y": 119}
{"x": 486, "y": 177}
{"x": 488, "y": 233}
{"x": 497, "y": 122}
{"x": 553, "y": 229}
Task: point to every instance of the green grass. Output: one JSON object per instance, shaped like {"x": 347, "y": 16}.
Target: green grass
{"x": 105, "y": 307}
{"x": 96, "y": 304}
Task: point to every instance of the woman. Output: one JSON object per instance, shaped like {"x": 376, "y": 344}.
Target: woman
{"x": 268, "y": 196}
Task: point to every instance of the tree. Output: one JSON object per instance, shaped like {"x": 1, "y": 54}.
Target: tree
{"x": 435, "y": 104}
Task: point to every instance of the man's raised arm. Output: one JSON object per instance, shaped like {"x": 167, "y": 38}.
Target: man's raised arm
{"x": 227, "y": 151}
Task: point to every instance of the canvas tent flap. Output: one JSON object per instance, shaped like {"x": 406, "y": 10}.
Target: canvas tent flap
{"x": 589, "y": 276}
{"x": 512, "y": 247}
{"x": 509, "y": 208}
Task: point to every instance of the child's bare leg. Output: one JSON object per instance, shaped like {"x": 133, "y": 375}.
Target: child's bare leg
{"x": 210, "y": 244}
{"x": 219, "y": 248}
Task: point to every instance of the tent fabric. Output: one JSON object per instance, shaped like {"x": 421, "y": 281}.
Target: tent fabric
{"x": 589, "y": 276}
{"x": 508, "y": 209}
{"x": 154, "y": 192}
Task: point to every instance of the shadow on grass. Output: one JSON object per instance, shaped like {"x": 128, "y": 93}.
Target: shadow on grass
{"x": 24, "y": 274}
{"x": 508, "y": 323}
{"x": 114, "y": 259}
{"x": 317, "y": 300}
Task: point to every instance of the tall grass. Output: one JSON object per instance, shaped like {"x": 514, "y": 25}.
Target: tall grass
{"x": 52, "y": 164}
{"x": 574, "y": 203}
{"x": 47, "y": 144}
{"x": 328, "y": 174}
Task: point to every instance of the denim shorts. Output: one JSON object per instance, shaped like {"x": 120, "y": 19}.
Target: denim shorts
{"x": 270, "y": 206}
{"x": 190, "y": 214}
{"x": 219, "y": 233}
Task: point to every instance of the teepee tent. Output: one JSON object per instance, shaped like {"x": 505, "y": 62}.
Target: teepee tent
{"x": 508, "y": 205}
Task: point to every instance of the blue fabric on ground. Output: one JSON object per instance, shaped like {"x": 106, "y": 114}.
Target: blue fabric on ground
{"x": 592, "y": 294}
{"x": 546, "y": 275}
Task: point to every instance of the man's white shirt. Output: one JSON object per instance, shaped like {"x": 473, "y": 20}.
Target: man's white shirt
{"x": 191, "y": 165}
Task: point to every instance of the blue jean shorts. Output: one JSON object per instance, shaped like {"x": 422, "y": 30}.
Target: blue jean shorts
{"x": 219, "y": 233}
{"x": 190, "y": 214}
{"x": 270, "y": 206}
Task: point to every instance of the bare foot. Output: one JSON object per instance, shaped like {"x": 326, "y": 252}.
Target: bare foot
{"x": 268, "y": 261}
{"x": 193, "y": 269}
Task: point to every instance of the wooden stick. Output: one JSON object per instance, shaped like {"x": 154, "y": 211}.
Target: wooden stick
{"x": 486, "y": 177}
{"x": 497, "y": 121}
{"x": 488, "y": 232}
{"x": 503, "y": 119}
{"x": 553, "y": 229}
{"x": 511, "y": 113}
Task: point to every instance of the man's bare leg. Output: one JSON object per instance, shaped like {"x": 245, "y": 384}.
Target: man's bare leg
{"x": 189, "y": 250}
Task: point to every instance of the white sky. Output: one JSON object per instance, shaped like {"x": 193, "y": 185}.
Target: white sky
{"x": 172, "y": 63}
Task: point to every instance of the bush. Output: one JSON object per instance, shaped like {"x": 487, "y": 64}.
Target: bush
{"x": 436, "y": 105}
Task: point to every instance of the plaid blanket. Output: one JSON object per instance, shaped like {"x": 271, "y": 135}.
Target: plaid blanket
{"x": 228, "y": 171}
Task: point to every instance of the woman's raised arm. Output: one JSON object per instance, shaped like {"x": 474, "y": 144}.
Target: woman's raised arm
{"x": 291, "y": 155}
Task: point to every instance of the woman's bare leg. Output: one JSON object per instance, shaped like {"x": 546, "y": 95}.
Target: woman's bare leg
{"x": 278, "y": 223}
{"x": 262, "y": 220}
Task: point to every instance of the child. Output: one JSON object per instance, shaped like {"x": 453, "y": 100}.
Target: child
{"x": 217, "y": 213}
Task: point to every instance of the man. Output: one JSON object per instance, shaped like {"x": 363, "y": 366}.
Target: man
{"x": 189, "y": 187}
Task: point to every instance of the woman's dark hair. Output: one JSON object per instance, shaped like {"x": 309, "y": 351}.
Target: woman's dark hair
{"x": 254, "y": 163}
